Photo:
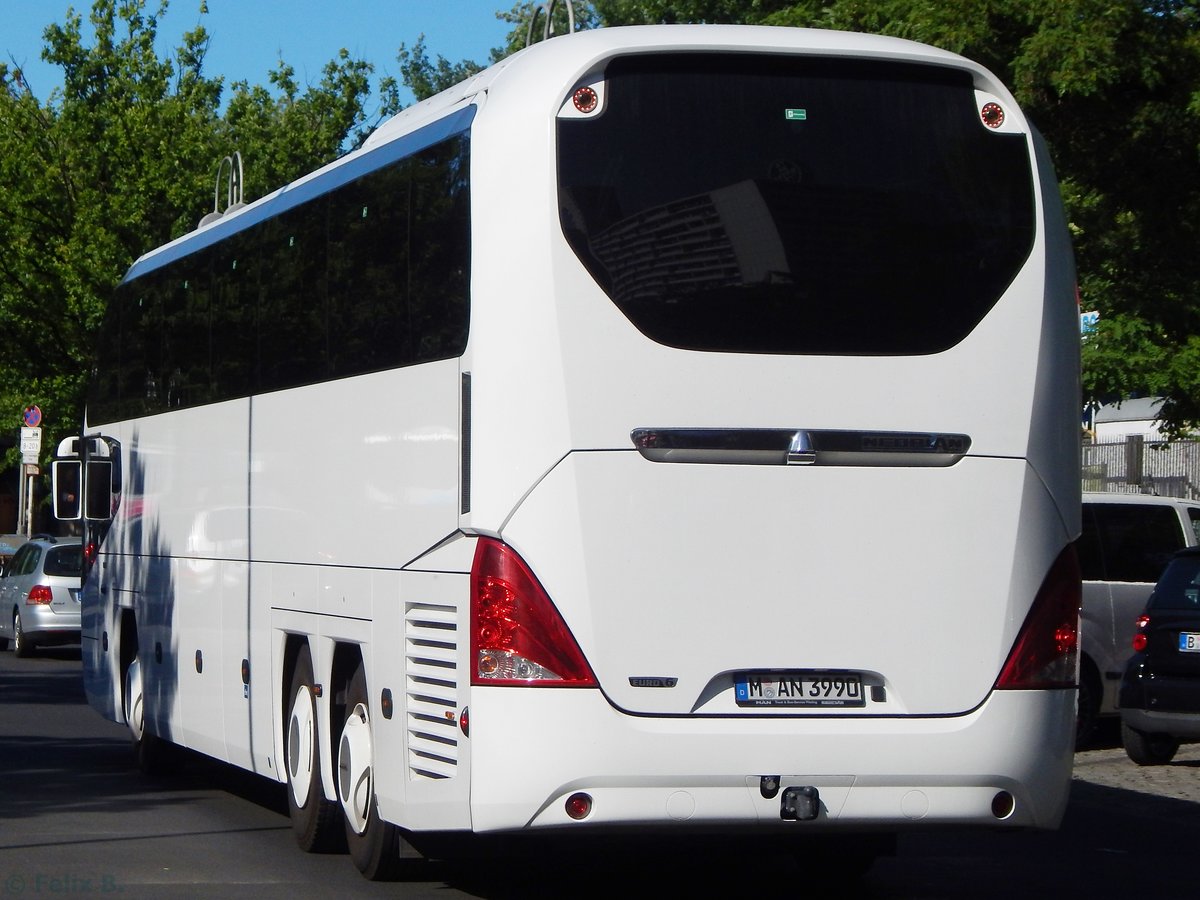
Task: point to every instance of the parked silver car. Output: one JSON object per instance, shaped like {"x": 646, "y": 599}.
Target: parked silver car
{"x": 39, "y": 594}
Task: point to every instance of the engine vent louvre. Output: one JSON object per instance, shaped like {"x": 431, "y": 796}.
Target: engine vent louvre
{"x": 431, "y": 670}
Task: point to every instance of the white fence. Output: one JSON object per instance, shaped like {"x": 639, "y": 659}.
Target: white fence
{"x": 1138, "y": 466}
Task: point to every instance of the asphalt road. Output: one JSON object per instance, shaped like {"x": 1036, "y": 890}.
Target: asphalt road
{"x": 77, "y": 821}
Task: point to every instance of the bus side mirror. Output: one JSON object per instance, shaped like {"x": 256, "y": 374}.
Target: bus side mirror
{"x": 83, "y": 493}
{"x": 98, "y": 486}
{"x": 67, "y": 478}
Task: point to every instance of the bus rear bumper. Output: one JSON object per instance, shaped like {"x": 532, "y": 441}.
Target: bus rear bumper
{"x": 1006, "y": 764}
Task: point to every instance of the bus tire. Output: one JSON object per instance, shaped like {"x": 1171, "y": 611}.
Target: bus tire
{"x": 314, "y": 818}
{"x": 149, "y": 750}
{"x": 374, "y": 844}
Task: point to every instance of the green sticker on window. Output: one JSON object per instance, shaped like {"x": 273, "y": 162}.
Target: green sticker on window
{"x": 795, "y": 115}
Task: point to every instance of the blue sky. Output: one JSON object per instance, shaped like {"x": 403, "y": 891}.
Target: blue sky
{"x": 248, "y": 37}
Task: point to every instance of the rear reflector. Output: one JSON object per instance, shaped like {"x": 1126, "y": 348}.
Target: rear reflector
{"x": 1045, "y": 653}
{"x": 518, "y": 636}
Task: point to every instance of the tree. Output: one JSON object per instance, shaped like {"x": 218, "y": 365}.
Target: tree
{"x": 122, "y": 159}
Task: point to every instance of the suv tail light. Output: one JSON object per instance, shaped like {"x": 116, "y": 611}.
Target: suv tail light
{"x": 1045, "y": 653}
{"x": 1140, "y": 640}
{"x": 518, "y": 636}
{"x": 39, "y": 595}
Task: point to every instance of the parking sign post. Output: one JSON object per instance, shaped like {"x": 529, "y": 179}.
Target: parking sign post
{"x": 31, "y": 451}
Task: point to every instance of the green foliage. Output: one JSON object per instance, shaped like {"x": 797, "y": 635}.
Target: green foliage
{"x": 425, "y": 78}
{"x": 122, "y": 159}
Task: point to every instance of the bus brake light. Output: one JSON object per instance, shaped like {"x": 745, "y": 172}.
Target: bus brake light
{"x": 1045, "y": 653}
{"x": 518, "y": 637}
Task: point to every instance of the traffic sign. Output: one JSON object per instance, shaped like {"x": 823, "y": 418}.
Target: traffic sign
{"x": 31, "y": 445}
{"x": 32, "y": 417}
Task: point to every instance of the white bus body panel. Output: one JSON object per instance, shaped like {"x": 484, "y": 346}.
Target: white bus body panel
{"x": 678, "y": 772}
{"x": 919, "y": 578}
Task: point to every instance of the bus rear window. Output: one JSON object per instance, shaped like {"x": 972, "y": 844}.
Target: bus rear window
{"x": 765, "y": 204}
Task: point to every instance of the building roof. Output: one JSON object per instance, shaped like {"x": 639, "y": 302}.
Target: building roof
{"x": 1139, "y": 409}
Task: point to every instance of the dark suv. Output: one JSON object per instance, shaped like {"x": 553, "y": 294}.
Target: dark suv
{"x": 1160, "y": 691}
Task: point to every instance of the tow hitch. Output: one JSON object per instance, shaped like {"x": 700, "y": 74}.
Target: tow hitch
{"x": 800, "y": 804}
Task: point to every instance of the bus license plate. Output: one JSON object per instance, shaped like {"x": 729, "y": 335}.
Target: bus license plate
{"x": 801, "y": 688}
{"x": 1189, "y": 642}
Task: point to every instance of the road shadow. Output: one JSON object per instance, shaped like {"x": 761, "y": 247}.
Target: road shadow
{"x": 40, "y": 679}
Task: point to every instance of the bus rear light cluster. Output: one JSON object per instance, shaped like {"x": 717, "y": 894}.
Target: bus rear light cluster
{"x": 1045, "y": 653}
{"x": 518, "y": 636}
{"x": 992, "y": 115}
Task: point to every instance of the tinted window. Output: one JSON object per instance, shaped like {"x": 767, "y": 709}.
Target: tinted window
{"x": 1136, "y": 542}
{"x": 780, "y": 205}
{"x": 64, "y": 561}
{"x": 369, "y": 276}
{"x": 26, "y": 560}
{"x": 1091, "y": 561}
{"x": 1179, "y": 587}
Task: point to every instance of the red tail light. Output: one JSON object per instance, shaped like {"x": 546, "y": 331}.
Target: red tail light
{"x": 1045, "y": 654}
{"x": 518, "y": 637}
{"x": 39, "y": 595}
{"x": 1139, "y": 637}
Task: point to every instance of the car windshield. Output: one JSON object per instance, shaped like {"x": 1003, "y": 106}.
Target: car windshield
{"x": 65, "y": 561}
{"x": 1179, "y": 587}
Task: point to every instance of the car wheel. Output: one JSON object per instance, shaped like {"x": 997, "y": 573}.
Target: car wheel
{"x": 314, "y": 818}
{"x": 3, "y": 643}
{"x": 374, "y": 844}
{"x": 1148, "y": 749}
{"x": 1090, "y": 690}
{"x": 22, "y": 645}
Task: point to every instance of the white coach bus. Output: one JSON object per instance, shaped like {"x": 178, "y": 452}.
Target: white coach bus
{"x": 669, "y": 430}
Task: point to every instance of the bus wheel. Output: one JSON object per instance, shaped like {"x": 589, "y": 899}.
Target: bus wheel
{"x": 314, "y": 818}
{"x": 22, "y": 646}
{"x": 149, "y": 751}
{"x": 374, "y": 844}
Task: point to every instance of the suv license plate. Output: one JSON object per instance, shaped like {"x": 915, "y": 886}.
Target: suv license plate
{"x": 799, "y": 688}
{"x": 1189, "y": 642}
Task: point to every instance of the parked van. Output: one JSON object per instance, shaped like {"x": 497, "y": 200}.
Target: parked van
{"x": 1127, "y": 541}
